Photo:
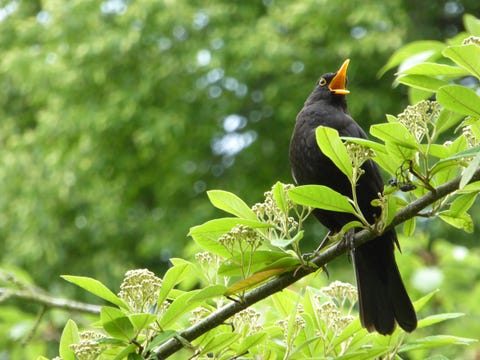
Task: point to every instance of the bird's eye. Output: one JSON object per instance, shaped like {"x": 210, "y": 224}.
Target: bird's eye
{"x": 322, "y": 82}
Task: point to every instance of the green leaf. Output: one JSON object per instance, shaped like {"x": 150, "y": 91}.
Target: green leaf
{"x": 177, "y": 308}
{"x": 420, "y": 303}
{"x": 437, "y": 318}
{"x": 283, "y": 243}
{"x": 231, "y": 203}
{"x": 446, "y": 120}
{"x": 209, "y": 292}
{"x": 416, "y": 95}
{"x": 96, "y": 288}
{"x": 259, "y": 259}
{"x": 161, "y": 338}
{"x": 379, "y": 148}
{"x": 141, "y": 321}
{"x": 333, "y": 147}
{"x": 126, "y": 352}
{"x": 251, "y": 341}
{"x": 254, "y": 280}
{"x": 421, "y": 50}
{"x": 435, "y": 342}
{"x": 219, "y": 341}
{"x": 461, "y": 221}
{"x": 279, "y": 196}
{"x": 466, "y": 56}
{"x": 173, "y": 276}
{"x": 409, "y": 227}
{"x": 207, "y": 234}
{"x": 462, "y": 204}
{"x": 422, "y": 82}
{"x": 69, "y": 337}
{"x": 320, "y": 197}
{"x": 470, "y": 171}
{"x": 460, "y": 99}
{"x": 116, "y": 323}
{"x": 434, "y": 69}
{"x": 472, "y": 24}
{"x": 394, "y": 132}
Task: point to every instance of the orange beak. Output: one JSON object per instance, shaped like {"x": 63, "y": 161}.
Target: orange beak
{"x": 339, "y": 81}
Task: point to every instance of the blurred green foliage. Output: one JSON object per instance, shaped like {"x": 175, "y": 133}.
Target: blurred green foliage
{"x": 116, "y": 116}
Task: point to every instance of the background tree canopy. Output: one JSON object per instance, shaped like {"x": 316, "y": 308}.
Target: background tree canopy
{"x": 117, "y": 116}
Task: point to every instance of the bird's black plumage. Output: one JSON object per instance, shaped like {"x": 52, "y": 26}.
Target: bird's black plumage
{"x": 383, "y": 300}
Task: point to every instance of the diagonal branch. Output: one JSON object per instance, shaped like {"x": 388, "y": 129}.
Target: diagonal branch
{"x": 221, "y": 315}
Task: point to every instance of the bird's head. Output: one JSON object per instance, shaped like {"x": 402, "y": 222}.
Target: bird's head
{"x": 332, "y": 86}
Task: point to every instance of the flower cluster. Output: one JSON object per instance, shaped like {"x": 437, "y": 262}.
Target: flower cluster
{"x": 475, "y": 40}
{"x": 140, "y": 289}
{"x": 247, "y": 322}
{"x": 88, "y": 348}
{"x": 359, "y": 154}
{"x": 331, "y": 311}
{"x": 472, "y": 140}
{"x": 270, "y": 212}
{"x": 416, "y": 118}
{"x": 295, "y": 331}
{"x": 239, "y": 235}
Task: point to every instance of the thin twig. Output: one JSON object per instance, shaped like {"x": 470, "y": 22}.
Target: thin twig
{"x": 38, "y": 296}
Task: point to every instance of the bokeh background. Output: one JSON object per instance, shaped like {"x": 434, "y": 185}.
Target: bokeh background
{"x": 116, "y": 116}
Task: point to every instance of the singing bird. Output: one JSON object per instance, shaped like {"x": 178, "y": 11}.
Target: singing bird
{"x": 383, "y": 300}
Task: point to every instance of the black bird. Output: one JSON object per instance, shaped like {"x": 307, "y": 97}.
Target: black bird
{"x": 383, "y": 300}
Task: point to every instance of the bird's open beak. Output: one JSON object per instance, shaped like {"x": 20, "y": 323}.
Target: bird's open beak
{"x": 339, "y": 81}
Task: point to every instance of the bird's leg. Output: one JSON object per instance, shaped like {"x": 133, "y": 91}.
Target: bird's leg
{"x": 349, "y": 240}
{"x": 323, "y": 243}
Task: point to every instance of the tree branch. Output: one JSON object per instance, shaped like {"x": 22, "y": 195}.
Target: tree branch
{"x": 37, "y": 296}
{"x": 221, "y": 315}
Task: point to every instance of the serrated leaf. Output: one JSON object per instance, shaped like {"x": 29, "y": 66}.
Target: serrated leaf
{"x": 422, "y": 82}
{"x": 254, "y": 280}
{"x": 333, "y": 147}
{"x": 422, "y": 50}
{"x": 69, "y": 337}
{"x": 231, "y": 203}
{"x": 434, "y": 69}
{"x": 173, "y": 276}
{"x": 320, "y": 197}
{"x": 394, "y": 132}
{"x": 141, "y": 321}
{"x": 466, "y": 56}
{"x": 209, "y": 292}
{"x": 116, "y": 323}
{"x": 96, "y": 288}
{"x": 460, "y": 99}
